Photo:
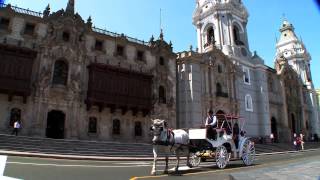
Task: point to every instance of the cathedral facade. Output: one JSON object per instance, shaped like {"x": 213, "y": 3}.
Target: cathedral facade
{"x": 63, "y": 78}
{"x": 224, "y": 76}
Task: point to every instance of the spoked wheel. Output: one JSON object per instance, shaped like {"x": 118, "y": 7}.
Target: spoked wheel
{"x": 222, "y": 157}
{"x": 194, "y": 160}
{"x": 248, "y": 153}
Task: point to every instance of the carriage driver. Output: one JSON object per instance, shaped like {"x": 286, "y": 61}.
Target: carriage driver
{"x": 211, "y": 123}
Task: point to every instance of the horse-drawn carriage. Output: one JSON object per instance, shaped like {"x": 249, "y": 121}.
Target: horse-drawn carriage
{"x": 229, "y": 143}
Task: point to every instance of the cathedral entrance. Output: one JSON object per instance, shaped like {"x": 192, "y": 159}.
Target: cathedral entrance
{"x": 55, "y": 125}
{"x": 274, "y": 129}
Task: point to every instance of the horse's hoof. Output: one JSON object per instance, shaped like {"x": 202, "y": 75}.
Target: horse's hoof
{"x": 153, "y": 173}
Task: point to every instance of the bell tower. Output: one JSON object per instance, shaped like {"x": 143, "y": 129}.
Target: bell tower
{"x": 295, "y": 53}
{"x": 222, "y": 23}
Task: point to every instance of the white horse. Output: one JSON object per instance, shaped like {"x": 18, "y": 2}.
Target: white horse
{"x": 167, "y": 141}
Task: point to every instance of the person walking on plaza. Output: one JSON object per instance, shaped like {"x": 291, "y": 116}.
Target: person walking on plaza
{"x": 301, "y": 141}
{"x": 16, "y": 127}
{"x": 272, "y": 138}
{"x": 295, "y": 141}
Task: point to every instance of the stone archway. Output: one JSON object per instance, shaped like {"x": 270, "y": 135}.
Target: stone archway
{"x": 55, "y": 124}
{"x": 274, "y": 128}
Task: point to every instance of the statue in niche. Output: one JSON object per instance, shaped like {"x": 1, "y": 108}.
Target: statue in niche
{"x": 75, "y": 81}
{"x": 45, "y": 77}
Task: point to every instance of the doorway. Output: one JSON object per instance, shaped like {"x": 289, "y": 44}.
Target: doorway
{"x": 55, "y": 125}
{"x": 274, "y": 129}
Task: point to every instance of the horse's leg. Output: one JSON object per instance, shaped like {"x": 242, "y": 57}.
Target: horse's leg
{"x": 166, "y": 168}
{"x": 178, "y": 159}
{"x": 155, "y": 155}
{"x": 188, "y": 158}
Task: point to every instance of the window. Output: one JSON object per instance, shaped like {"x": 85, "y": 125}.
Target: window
{"x": 219, "y": 68}
{"x": 161, "y": 61}
{"x": 4, "y": 24}
{"x": 162, "y": 95}
{"x": 137, "y": 129}
{"x": 219, "y": 88}
{"x": 140, "y": 55}
{"x": 246, "y": 76}
{"x": 236, "y": 36}
{"x": 210, "y": 36}
{"x": 15, "y": 115}
{"x": 120, "y": 50}
{"x": 248, "y": 101}
{"x": 99, "y": 45}
{"x": 66, "y": 36}
{"x": 60, "y": 74}
{"x": 29, "y": 29}
{"x": 92, "y": 125}
{"x": 116, "y": 127}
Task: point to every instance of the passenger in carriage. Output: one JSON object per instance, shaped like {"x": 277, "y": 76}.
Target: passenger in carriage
{"x": 211, "y": 123}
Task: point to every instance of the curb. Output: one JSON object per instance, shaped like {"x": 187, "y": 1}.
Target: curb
{"x": 100, "y": 158}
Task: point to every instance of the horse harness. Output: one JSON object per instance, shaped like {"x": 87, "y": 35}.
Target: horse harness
{"x": 167, "y": 142}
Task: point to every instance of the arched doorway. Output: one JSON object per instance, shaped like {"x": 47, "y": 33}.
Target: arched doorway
{"x": 293, "y": 124}
{"x": 55, "y": 125}
{"x": 274, "y": 129}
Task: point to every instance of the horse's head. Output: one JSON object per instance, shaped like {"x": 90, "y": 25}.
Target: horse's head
{"x": 158, "y": 126}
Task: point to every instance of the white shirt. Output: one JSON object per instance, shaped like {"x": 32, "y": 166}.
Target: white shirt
{"x": 213, "y": 119}
{"x": 16, "y": 125}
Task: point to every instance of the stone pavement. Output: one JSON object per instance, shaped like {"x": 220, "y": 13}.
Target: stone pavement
{"x": 305, "y": 170}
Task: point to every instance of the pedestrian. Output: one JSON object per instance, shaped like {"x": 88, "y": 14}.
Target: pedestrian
{"x": 301, "y": 141}
{"x": 272, "y": 138}
{"x": 295, "y": 141}
{"x": 298, "y": 140}
{"x": 16, "y": 127}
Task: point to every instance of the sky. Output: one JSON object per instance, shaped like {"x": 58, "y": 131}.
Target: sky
{"x": 141, "y": 19}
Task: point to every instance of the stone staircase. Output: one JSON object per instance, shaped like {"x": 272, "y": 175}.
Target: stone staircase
{"x": 104, "y": 149}
{"x": 73, "y": 147}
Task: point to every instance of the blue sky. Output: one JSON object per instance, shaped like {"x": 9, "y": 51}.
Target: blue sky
{"x": 140, "y": 19}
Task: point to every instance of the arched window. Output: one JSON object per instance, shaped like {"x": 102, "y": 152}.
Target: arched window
{"x": 248, "y": 101}
{"x": 60, "y": 73}
{"x": 92, "y": 125}
{"x": 210, "y": 36}
{"x": 236, "y": 35}
{"x": 219, "y": 88}
{"x": 219, "y": 68}
{"x": 137, "y": 128}
{"x": 116, "y": 127}
{"x": 162, "y": 95}
{"x": 161, "y": 61}
{"x": 15, "y": 115}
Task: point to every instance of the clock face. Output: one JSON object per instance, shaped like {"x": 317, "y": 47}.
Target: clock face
{"x": 244, "y": 52}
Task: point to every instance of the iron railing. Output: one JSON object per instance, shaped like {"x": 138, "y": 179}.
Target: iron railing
{"x": 21, "y": 10}
{"x": 113, "y": 34}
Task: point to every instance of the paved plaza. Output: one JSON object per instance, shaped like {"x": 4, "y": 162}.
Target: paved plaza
{"x": 305, "y": 170}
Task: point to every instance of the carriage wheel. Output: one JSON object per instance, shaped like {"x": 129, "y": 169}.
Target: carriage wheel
{"x": 194, "y": 160}
{"x": 248, "y": 153}
{"x": 222, "y": 157}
